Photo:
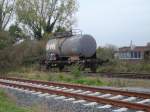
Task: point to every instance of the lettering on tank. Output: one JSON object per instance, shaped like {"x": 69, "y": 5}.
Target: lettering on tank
{"x": 51, "y": 47}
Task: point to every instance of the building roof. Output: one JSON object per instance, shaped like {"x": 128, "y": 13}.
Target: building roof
{"x": 136, "y": 48}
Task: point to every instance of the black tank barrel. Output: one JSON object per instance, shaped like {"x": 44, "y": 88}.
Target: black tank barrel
{"x": 78, "y": 45}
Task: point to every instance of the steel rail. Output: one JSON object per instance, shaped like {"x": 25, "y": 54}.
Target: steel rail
{"x": 83, "y": 87}
{"x": 117, "y": 103}
{"x": 121, "y": 75}
{"x": 129, "y": 73}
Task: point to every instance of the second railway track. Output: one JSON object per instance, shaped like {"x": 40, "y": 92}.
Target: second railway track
{"x": 126, "y": 75}
{"x": 107, "y": 97}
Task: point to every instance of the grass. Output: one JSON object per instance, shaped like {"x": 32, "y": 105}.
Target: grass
{"x": 61, "y": 77}
{"x": 6, "y": 105}
{"x": 118, "y": 66}
{"x": 78, "y": 78}
{"x": 74, "y": 77}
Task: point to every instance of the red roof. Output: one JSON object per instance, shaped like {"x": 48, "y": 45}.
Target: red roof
{"x": 136, "y": 48}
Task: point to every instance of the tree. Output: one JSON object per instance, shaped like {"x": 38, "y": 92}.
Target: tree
{"x": 106, "y": 52}
{"x": 16, "y": 32}
{"x": 5, "y": 40}
{"x": 6, "y": 12}
{"x": 44, "y": 16}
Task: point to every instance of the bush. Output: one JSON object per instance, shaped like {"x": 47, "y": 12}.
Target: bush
{"x": 23, "y": 54}
{"x": 75, "y": 71}
{"x": 118, "y": 66}
{"x": 5, "y": 40}
{"x": 146, "y": 67}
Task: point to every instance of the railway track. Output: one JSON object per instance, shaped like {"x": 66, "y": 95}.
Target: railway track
{"x": 120, "y": 75}
{"x": 127, "y": 75}
{"x": 106, "y": 98}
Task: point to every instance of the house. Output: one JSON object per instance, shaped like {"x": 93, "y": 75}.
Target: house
{"x": 134, "y": 53}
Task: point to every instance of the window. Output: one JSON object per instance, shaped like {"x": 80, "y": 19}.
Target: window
{"x": 139, "y": 55}
{"x": 130, "y": 55}
{"x": 135, "y": 55}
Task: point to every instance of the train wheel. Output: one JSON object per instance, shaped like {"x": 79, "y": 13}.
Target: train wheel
{"x": 43, "y": 67}
{"x": 81, "y": 67}
{"x": 93, "y": 68}
{"x": 61, "y": 67}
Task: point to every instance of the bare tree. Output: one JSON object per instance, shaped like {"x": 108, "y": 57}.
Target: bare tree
{"x": 6, "y": 12}
{"x": 43, "y": 16}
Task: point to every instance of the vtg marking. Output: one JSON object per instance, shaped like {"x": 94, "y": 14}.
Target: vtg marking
{"x": 51, "y": 47}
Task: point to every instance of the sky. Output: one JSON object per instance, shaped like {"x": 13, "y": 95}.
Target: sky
{"x": 115, "y": 22}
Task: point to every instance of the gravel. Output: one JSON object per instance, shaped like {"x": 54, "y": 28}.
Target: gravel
{"x": 48, "y": 103}
{"x": 54, "y": 103}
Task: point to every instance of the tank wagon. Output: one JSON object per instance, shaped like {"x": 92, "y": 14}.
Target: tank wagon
{"x": 70, "y": 48}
